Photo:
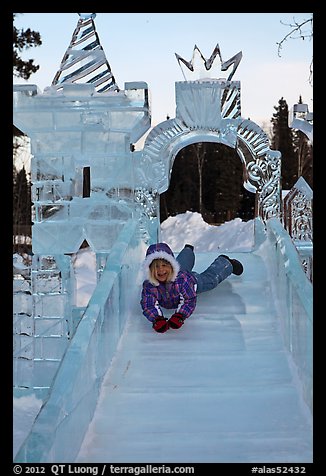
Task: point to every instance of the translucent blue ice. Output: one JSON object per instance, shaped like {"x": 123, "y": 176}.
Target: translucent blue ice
{"x": 236, "y": 382}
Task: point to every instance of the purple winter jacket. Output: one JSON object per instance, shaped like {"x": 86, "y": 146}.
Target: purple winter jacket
{"x": 179, "y": 294}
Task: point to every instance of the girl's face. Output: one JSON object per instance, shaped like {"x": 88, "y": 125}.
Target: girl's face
{"x": 162, "y": 270}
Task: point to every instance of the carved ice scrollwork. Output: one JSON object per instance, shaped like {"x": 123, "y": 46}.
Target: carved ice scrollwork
{"x": 147, "y": 203}
{"x": 303, "y": 228}
{"x": 153, "y": 170}
{"x": 147, "y": 199}
{"x": 298, "y": 211}
{"x": 262, "y": 168}
{"x": 269, "y": 200}
{"x": 301, "y": 216}
{"x": 307, "y": 264}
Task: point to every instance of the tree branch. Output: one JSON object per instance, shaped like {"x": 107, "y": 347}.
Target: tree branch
{"x": 297, "y": 30}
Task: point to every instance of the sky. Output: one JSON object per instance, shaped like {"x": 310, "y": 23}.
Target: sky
{"x": 142, "y": 47}
{"x": 235, "y": 235}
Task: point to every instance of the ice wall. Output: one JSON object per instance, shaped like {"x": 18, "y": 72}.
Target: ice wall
{"x": 82, "y": 130}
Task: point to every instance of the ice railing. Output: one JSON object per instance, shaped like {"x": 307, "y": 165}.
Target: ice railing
{"x": 294, "y": 301}
{"x": 39, "y": 338}
{"x": 297, "y": 220}
{"x": 60, "y": 426}
{"x": 27, "y": 330}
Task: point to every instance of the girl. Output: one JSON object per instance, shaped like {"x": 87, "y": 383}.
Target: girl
{"x": 172, "y": 284}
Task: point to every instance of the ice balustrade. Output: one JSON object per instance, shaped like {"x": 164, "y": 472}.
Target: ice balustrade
{"x": 42, "y": 322}
{"x": 61, "y": 424}
{"x": 298, "y": 221}
{"x": 294, "y": 300}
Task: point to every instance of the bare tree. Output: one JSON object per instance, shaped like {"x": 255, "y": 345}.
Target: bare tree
{"x": 303, "y": 31}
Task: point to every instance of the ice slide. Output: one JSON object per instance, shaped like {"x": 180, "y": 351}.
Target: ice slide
{"x": 234, "y": 384}
{"x": 223, "y": 388}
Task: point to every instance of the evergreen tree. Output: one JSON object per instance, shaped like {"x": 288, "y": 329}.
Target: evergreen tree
{"x": 282, "y": 140}
{"x": 200, "y": 150}
{"x": 247, "y": 206}
{"x": 182, "y": 194}
{"x": 225, "y": 172}
{"x": 21, "y": 199}
{"x": 206, "y": 178}
{"x": 22, "y": 40}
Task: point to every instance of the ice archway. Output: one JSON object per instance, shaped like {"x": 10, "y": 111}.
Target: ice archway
{"x": 209, "y": 111}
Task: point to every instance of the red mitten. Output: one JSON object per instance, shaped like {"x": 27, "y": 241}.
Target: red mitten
{"x": 176, "y": 321}
{"x": 160, "y": 324}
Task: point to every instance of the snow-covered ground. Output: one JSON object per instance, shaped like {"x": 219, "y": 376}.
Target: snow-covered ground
{"x": 235, "y": 235}
{"x": 188, "y": 227}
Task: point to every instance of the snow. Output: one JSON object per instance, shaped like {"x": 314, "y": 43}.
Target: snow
{"x": 21, "y": 265}
{"x": 84, "y": 263}
{"x": 25, "y": 410}
{"x": 190, "y": 227}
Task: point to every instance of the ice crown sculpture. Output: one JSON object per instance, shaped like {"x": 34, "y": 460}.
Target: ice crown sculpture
{"x": 202, "y": 67}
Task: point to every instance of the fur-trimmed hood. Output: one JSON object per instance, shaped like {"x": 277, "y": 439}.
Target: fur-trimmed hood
{"x": 160, "y": 251}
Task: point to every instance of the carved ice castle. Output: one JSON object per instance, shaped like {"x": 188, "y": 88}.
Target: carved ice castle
{"x": 88, "y": 181}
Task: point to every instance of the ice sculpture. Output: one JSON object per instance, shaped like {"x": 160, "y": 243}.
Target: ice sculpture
{"x": 88, "y": 181}
{"x": 209, "y": 109}
{"x": 300, "y": 118}
{"x": 85, "y": 60}
{"x": 82, "y": 131}
{"x": 297, "y": 204}
{"x": 298, "y": 221}
{"x": 203, "y": 68}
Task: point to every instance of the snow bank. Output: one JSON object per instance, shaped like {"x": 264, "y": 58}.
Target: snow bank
{"x": 189, "y": 227}
{"x": 25, "y": 410}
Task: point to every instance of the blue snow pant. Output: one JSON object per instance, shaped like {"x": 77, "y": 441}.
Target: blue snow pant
{"x": 216, "y": 272}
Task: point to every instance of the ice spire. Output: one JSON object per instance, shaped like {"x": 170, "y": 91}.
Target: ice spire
{"x": 85, "y": 60}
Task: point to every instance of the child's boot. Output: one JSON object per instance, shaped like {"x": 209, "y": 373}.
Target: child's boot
{"x": 236, "y": 265}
